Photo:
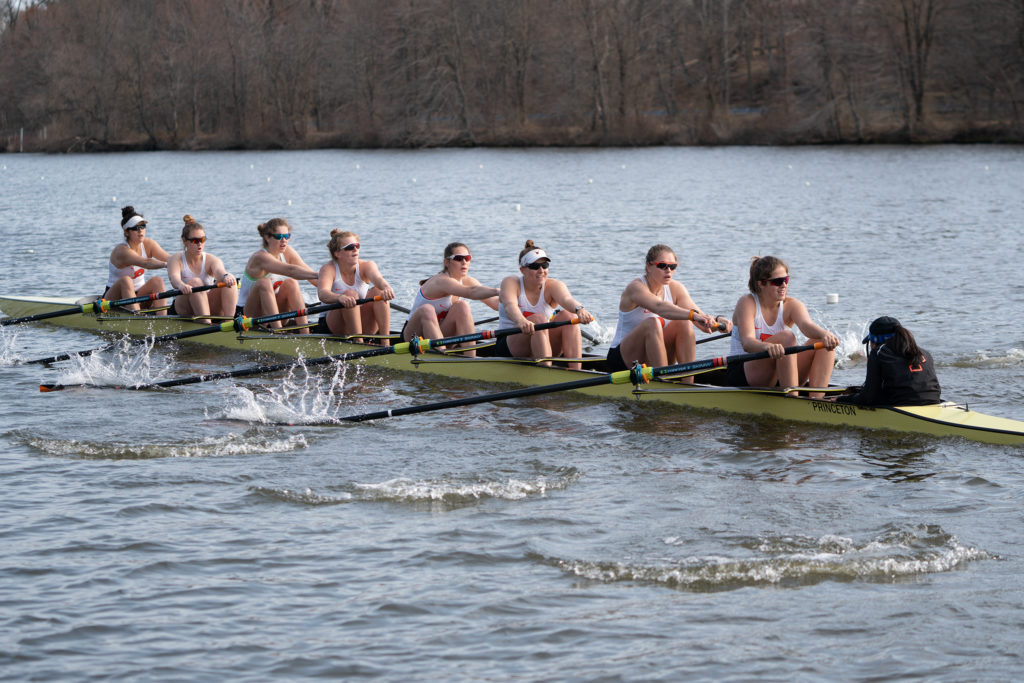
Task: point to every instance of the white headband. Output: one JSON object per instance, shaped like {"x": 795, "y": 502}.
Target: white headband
{"x": 133, "y": 221}
{"x": 532, "y": 256}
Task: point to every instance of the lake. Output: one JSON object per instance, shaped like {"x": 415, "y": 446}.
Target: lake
{"x": 177, "y": 535}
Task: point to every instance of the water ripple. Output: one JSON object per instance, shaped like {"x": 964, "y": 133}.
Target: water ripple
{"x": 791, "y": 561}
{"x": 214, "y": 446}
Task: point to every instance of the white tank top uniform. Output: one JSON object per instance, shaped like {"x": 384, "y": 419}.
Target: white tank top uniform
{"x": 248, "y": 282}
{"x": 541, "y": 309}
{"x": 762, "y": 330}
{"x": 735, "y": 375}
{"x": 441, "y": 306}
{"x": 629, "y": 320}
{"x": 187, "y": 274}
{"x": 340, "y": 286}
{"x": 136, "y": 273}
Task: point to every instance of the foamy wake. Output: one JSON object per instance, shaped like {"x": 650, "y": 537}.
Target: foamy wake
{"x": 1011, "y": 358}
{"x": 446, "y": 492}
{"x": 893, "y": 556}
{"x": 211, "y": 447}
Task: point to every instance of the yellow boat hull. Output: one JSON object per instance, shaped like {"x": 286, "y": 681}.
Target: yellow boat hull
{"x": 947, "y": 419}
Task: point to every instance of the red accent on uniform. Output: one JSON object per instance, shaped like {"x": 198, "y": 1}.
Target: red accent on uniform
{"x": 138, "y": 273}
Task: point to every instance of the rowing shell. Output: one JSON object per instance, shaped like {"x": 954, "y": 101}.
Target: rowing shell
{"x": 946, "y": 419}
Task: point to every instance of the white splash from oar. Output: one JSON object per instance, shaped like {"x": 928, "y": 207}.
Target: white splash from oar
{"x": 300, "y": 397}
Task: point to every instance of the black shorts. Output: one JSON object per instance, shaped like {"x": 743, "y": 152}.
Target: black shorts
{"x": 321, "y": 326}
{"x": 735, "y": 375}
{"x": 501, "y": 349}
{"x": 615, "y": 362}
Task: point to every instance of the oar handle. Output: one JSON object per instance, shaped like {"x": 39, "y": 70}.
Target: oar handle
{"x": 490, "y": 334}
{"x": 647, "y": 374}
{"x": 713, "y": 338}
{"x": 720, "y": 326}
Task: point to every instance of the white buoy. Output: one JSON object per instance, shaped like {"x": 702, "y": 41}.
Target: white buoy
{"x": 146, "y": 179}
{"x": 414, "y": 180}
{"x": 251, "y": 166}
{"x": 518, "y": 208}
{"x": 358, "y": 166}
{"x": 268, "y": 179}
{"x": 31, "y": 251}
{"x": 113, "y": 199}
{"x": 591, "y": 181}
{"x": 831, "y": 298}
{"x": 807, "y": 183}
{"x": 289, "y": 202}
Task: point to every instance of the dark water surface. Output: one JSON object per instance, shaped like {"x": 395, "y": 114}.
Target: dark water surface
{"x": 177, "y": 536}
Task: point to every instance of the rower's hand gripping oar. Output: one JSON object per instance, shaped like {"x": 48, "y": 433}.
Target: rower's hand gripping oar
{"x": 239, "y": 324}
{"x": 102, "y": 305}
{"x": 414, "y": 347}
{"x": 636, "y": 375}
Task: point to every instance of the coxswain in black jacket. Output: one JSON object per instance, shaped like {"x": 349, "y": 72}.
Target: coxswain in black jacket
{"x": 900, "y": 373}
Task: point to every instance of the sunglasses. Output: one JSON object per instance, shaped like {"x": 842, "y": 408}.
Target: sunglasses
{"x": 195, "y": 240}
{"x": 666, "y": 266}
{"x": 351, "y": 246}
{"x": 137, "y": 227}
{"x": 537, "y": 265}
{"x": 281, "y": 235}
{"x": 462, "y": 257}
{"x": 777, "y": 281}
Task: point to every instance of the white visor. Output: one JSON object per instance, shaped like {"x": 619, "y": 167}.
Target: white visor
{"x": 133, "y": 221}
{"x": 531, "y": 256}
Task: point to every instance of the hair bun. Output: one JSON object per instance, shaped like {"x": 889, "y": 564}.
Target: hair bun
{"x": 529, "y": 244}
{"x": 127, "y": 211}
{"x": 188, "y": 219}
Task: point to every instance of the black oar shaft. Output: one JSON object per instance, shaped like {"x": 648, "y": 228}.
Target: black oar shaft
{"x": 405, "y": 347}
{"x": 103, "y": 305}
{"x": 240, "y": 324}
{"x": 717, "y": 336}
{"x": 620, "y": 377}
{"x": 613, "y": 378}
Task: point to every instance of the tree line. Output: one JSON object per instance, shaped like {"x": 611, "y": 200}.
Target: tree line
{"x": 202, "y": 74}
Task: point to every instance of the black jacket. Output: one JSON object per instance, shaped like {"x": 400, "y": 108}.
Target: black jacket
{"x": 892, "y": 381}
